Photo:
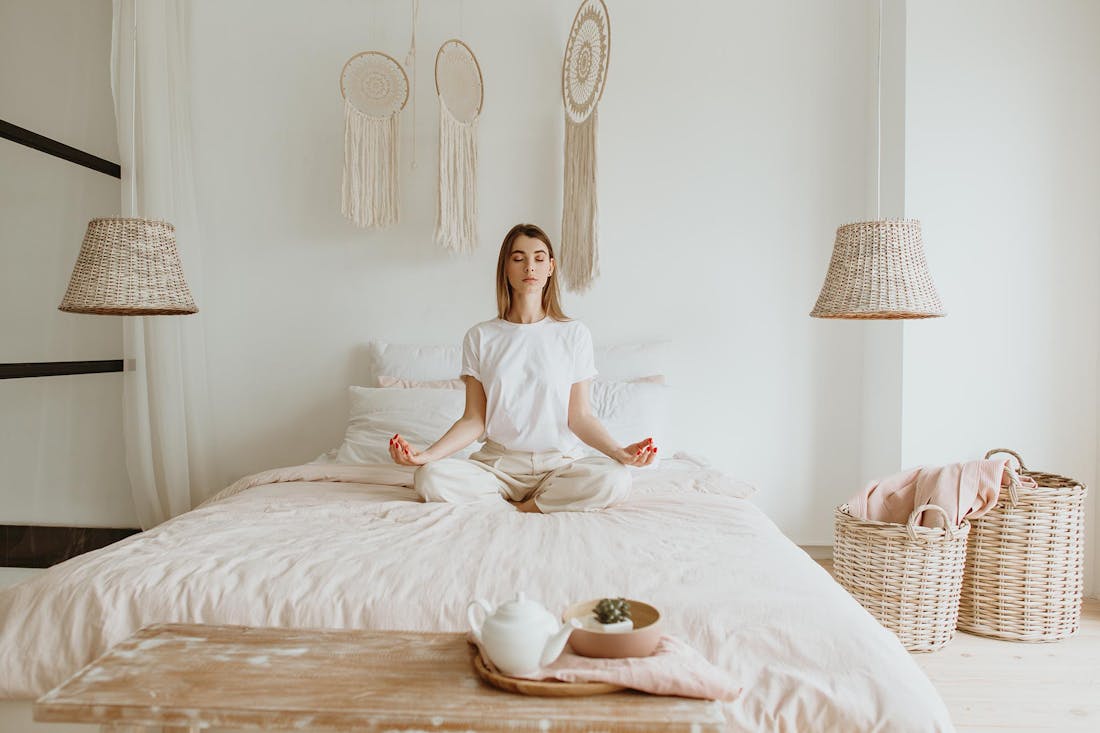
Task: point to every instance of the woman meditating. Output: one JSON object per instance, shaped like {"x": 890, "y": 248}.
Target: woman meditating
{"x": 527, "y": 375}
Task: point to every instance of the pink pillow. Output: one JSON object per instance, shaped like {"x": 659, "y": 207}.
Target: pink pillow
{"x": 384, "y": 381}
{"x": 651, "y": 379}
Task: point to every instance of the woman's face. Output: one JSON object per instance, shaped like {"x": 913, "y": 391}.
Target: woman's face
{"x": 529, "y": 265}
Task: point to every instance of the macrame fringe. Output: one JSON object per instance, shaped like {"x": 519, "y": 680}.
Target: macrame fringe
{"x": 456, "y": 217}
{"x": 370, "y": 169}
{"x": 580, "y": 254}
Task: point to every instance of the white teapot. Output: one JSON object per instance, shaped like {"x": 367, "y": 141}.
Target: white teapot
{"x": 520, "y": 636}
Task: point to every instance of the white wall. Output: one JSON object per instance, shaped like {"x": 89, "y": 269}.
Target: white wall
{"x": 1003, "y": 168}
{"x": 881, "y": 373}
{"x": 734, "y": 139}
{"x": 61, "y": 455}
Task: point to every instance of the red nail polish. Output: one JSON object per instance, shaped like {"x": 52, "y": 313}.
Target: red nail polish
{"x": 654, "y": 449}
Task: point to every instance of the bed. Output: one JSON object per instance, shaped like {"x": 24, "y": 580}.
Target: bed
{"x": 344, "y": 542}
{"x": 343, "y": 546}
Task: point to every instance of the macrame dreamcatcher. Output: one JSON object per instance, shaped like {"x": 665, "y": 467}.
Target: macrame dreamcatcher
{"x": 583, "y": 73}
{"x": 461, "y": 90}
{"x": 375, "y": 90}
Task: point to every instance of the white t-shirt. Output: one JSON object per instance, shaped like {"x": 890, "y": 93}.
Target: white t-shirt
{"x": 527, "y": 370}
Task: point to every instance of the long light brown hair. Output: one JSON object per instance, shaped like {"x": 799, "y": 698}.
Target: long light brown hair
{"x": 550, "y": 302}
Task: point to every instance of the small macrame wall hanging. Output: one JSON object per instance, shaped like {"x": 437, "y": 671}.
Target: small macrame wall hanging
{"x": 461, "y": 90}
{"x": 584, "y": 70}
{"x": 375, "y": 90}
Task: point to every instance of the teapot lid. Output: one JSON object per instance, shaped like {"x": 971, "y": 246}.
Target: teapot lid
{"x": 521, "y": 608}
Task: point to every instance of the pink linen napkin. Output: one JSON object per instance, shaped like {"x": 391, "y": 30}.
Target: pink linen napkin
{"x": 675, "y": 668}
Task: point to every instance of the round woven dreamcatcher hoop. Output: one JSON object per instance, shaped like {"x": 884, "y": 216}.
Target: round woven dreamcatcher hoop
{"x": 374, "y": 84}
{"x": 458, "y": 80}
{"x": 461, "y": 91}
{"x": 584, "y": 68}
{"x": 375, "y": 90}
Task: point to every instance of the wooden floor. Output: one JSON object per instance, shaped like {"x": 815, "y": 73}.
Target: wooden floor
{"x": 993, "y": 685}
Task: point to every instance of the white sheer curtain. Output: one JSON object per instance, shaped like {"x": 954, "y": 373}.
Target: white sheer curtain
{"x": 166, "y": 408}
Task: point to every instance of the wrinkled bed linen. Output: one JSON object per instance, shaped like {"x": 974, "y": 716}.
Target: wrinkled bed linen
{"x": 330, "y": 546}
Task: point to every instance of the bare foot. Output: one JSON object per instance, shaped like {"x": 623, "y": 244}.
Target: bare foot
{"x": 527, "y": 506}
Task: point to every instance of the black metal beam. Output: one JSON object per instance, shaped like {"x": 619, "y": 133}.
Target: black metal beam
{"x": 61, "y": 150}
{"x": 31, "y": 546}
{"x": 58, "y": 368}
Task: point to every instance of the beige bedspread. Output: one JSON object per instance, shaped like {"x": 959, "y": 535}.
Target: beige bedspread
{"x": 351, "y": 547}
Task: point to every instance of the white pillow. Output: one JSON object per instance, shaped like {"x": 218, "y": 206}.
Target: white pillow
{"x": 420, "y": 415}
{"x": 638, "y": 412}
{"x": 385, "y": 380}
{"x": 418, "y": 363}
{"x": 424, "y": 363}
{"x": 631, "y": 411}
{"x": 630, "y": 361}
{"x": 398, "y": 383}
{"x": 629, "y": 414}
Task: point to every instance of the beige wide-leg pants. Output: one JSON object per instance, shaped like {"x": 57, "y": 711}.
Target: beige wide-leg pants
{"x": 558, "y": 482}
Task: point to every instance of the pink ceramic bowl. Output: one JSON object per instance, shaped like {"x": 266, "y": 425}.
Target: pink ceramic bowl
{"x": 641, "y": 642}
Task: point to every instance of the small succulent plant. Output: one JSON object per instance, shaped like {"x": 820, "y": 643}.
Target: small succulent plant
{"x": 612, "y": 610}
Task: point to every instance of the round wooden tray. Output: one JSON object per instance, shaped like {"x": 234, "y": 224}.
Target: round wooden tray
{"x": 543, "y": 688}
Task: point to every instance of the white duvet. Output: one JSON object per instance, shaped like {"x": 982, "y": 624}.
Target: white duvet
{"x": 352, "y": 547}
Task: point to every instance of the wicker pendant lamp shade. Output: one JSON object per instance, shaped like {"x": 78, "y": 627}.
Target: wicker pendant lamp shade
{"x": 878, "y": 270}
{"x": 128, "y": 267}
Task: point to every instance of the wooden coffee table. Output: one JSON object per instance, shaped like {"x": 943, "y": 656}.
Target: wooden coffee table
{"x": 193, "y": 676}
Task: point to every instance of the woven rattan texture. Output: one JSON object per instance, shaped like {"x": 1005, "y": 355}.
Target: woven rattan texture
{"x": 878, "y": 270}
{"x": 128, "y": 267}
{"x": 907, "y": 576}
{"x": 1024, "y": 576}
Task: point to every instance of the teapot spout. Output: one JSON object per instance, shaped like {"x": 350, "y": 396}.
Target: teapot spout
{"x": 556, "y": 643}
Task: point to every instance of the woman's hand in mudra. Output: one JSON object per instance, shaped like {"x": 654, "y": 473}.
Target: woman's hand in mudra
{"x": 641, "y": 453}
{"x": 404, "y": 454}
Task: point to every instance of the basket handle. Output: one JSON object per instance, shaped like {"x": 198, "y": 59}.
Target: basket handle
{"x": 1014, "y": 454}
{"x": 1014, "y": 485}
{"x": 911, "y": 525}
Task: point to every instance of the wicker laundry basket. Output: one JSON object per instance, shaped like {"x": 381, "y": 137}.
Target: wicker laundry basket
{"x": 906, "y": 575}
{"x": 1024, "y": 567}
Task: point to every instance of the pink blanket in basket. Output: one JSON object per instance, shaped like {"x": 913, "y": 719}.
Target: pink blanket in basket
{"x": 963, "y": 490}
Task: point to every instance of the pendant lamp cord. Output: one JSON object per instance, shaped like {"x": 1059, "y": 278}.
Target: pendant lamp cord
{"x": 410, "y": 62}
{"x": 133, "y": 118}
{"x": 878, "y": 119}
